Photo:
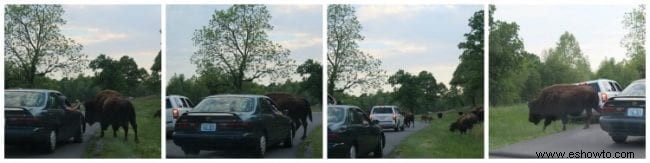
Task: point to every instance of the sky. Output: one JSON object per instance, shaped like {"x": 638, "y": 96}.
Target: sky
{"x": 115, "y": 30}
{"x": 597, "y": 28}
{"x": 296, "y": 27}
{"x": 415, "y": 37}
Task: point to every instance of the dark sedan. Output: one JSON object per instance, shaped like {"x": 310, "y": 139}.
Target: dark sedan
{"x": 351, "y": 134}
{"x": 624, "y": 115}
{"x": 233, "y": 122}
{"x": 40, "y": 118}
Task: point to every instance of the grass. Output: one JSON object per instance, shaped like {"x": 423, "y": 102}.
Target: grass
{"x": 148, "y": 132}
{"x": 312, "y": 147}
{"x": 436, "y": 141}
{"x": 510, "y": 124}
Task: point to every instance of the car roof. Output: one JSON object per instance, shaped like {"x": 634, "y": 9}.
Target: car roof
{"x": 385, "y": 106}
{"x": 343, "y": 106}
{"x": 598, "y": 80}
{"x": 31, "y": 90}
{"x": 237, "y": 95}
{"x": 639, "y": 81}
{"x": 176, "y": 96}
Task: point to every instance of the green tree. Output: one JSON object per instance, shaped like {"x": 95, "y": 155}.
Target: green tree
{"x": 469, "y": 73}
{"x": 634, "y": 39}
{"x": 122, "y": 75}
{"x": 348, "y": 67}
{"x": 416, "y": 93}
{"x": 313, "y": 83}
{"x": 236, "y": 42}
{"x": 35, "y": 46}
{"x": 565, "y": 63}
{"x": 506, "y": 54}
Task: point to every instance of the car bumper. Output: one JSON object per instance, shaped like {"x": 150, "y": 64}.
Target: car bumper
{"x": 624, "y": 126}
{"x": 387, "y": 124}
{"x": 28, "y": 135}
{"x": 170, "y": 126}
{"x": 215, "y": 141}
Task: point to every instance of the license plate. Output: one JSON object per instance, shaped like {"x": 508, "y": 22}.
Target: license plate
{"x": 208, "y": 127}
{"x": 634, "y": 112}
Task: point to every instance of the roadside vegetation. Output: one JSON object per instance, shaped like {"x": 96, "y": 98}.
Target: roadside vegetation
{"x": 312, "y": 147}
{"x": 148, "y": 132}
{"x": 436, "y": 141}
{"x": 509, "y": 124}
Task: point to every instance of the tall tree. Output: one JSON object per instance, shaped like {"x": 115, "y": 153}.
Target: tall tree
{"x": 469, "y": 73}
{"x": 565, "y": 63}
{"x": 235, "y": 41}
{"x": 122, "y": 75}
{"x": 348, "y": 67}
{"x": 312, "y": 83}
{"x": 634, "y": 39}
{"x": 34, "y": 44}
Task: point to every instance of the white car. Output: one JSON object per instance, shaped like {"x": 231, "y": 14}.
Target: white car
{"x": 605, "y": 88}
{"x": 388, "y": 116}
{"x": 175, "y": 107}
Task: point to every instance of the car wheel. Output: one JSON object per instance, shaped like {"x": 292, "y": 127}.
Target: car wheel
{"x": 260, "y": 150}
{"x": 288, "y": 142}
{"x": 396, "y": 128}
{"x": 50, "y": 145}
{"x": 379, "y": 149}
{"x": 352, "y": 152}
{"x": 190, "y": 151}
{"x": 619, "y": 138}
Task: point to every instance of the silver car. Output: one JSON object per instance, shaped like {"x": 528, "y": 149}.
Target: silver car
{"x": 175, "y": 107}
{"x": 388, "y": 116}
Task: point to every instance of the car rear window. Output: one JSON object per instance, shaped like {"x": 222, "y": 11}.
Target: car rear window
{"x": 168, "y": 104}
{"x": 382, "y": 110}
{"x": 595, "y": 86}
{"x": 226, "y": 104}
{"x": 335, "y": 114}
{"x": 634, "y": 89}
{"x": 24, "y": 99}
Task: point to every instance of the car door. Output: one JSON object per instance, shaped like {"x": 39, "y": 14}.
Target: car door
{"x": 362, "y": 126}
{"x": 269, "y": 120}
{"x": 70, "y": 121}
{"x": 55, "y": 114}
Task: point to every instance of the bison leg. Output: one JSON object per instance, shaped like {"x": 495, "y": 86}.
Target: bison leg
{"x": 126, "y": 130}
{"x": 565, "y": 120}
{"x": 547, "y": 122}
{"x": 588, "y": 121}
{"x": 134, "y": 125}
{"x": 304, "y": 126}
{"x": 115, "y": 128}
{"x": 104, "y": 127}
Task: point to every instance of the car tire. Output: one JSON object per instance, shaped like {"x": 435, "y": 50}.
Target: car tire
{"x": 50, "y": 144}
{"x": 352, "y": 152}
{"x": 288, "y": 141}
{"x": 619, "y": 138}
{"x": 260, "y": 148}
{"x": 78, "y": 136}
{"x": 378, "y": 152}
{"x": 190, "y": 151}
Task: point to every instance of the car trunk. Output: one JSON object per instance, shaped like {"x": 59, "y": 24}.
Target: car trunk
{"x": 622, "y": 106}
{"x": 201, "y": 122}
{"x": 20, "y": 117}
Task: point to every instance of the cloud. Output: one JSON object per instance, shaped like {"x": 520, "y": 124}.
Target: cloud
{"x": 299, "y": 40}
{"x": 93, "y": 35}
{"x": 295, "y": 9}
{"x": 383, "y": 48}
{"x": 371, "y": 12}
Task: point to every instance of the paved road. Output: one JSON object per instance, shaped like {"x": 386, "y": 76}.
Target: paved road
{"x": 174, "y": 151}
{"x": 593, "y": 139}
{"x": 394, "y": 138}
{"x": 64, "y": 149}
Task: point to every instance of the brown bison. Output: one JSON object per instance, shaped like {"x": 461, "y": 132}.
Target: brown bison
{"x": 296, "y": 107}
{"x": 440, "y": 115}
{"x": 110, "y": 108}
{"x": 464, "y": 123}
{"x": 478, "y": 111}
{"x": 560, "y": 100}
{"x": 409, "y": 119}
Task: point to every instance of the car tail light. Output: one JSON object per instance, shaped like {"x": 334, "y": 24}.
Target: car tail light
{"x": 175, "y": 113}
{"x": 24, "y": 120}
{"x": 333, "y": 136}
{"x": 184, "y": 124}
{"x": 603, "y": 97}
{"x": 612, "y": 109}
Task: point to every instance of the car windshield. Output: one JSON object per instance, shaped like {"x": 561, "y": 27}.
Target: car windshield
{"x": 382, "y": 110}
{"x": 24, "y": 99}
{"x": 226, "y": 104}
{"x": 634, "y": 89}
{"x": 335, "y": 114}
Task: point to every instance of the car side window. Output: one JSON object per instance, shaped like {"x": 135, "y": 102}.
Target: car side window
{"x": 189, "y": 103}
{"x": 356, "y": 117}
{"x": 363, "y": 117}
{"x": 265, "y": 106}
{"x": 53, "y": 101}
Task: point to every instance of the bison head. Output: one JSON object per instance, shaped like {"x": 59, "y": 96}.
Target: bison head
{"x": 533, "y": 116}
{"x": 91, "y": 112}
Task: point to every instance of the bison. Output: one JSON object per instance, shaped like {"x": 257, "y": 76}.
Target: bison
{"x": 409, "y": 119}
{"x": 560, "y": 100}
{"x": 478, "y": 111}
{"x": 110, "y": 108}
{"x": 464, "y": 123}
{"x": 440, "y": 115}
{"x": 296, "y": 107}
